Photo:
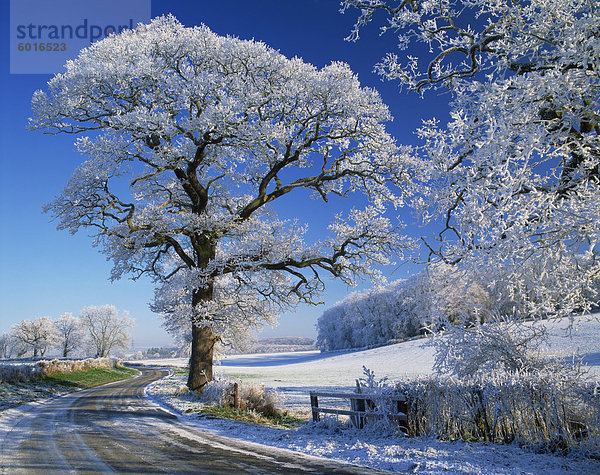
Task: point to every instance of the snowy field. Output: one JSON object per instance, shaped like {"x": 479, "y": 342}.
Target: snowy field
{"x": 295, "y": 374}
{"x": 381, "y": 450}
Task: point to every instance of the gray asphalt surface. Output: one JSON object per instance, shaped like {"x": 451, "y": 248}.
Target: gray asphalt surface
{"x": 114, "y": 428}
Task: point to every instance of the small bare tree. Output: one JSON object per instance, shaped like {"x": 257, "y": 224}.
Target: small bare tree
{"x": 37, "y": 335}
{"x": 70, "y": 333}
{"x": 106, "y": 330}
{"x": 5, "y": 345}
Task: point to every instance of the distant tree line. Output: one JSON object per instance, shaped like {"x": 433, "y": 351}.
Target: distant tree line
{"x": 437, "y": 296}
{"x": 275, "y": 345}
{"x": 440, "y": 298}
{"x": 97, "y": 331}
{"x": 162, "y": 352}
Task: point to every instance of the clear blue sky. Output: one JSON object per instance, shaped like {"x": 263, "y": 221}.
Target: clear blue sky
{"x": 48, "y": 272}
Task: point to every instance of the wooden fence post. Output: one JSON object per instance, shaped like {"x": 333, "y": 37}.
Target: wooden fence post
{"x": 236, "y": 398}
{"x": 402, "y": 406}
{"x": 314, "y": 402}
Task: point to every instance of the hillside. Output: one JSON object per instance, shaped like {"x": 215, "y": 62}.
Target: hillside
{"x": 294, "y": 373}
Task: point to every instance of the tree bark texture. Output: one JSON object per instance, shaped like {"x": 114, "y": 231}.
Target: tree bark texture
{"x": 201, "y": 360}
{"x": 203, "y": 343}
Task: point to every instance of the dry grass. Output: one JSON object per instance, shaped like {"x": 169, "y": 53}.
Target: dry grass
{"x": 547, "y": 411}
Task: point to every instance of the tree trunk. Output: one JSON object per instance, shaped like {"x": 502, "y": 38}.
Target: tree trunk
{"x": 201, "y": 360}
{"x": 203, "y": 336}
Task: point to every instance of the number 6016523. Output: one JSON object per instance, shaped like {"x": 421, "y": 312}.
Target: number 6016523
{"x": 49, "y": 46}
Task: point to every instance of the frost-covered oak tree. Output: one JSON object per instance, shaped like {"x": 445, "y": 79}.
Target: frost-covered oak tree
{"x": 513, "y": 177}
{"x": 191, "y": 138}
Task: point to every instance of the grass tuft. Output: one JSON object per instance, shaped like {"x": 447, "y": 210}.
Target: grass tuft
{"x": 279, "y": 420}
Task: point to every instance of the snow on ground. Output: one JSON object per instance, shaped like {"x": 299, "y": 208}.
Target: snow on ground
{"x": 12, "y": 395}
{"x": 377, "y": 448}
{"x": 293, "y": 375}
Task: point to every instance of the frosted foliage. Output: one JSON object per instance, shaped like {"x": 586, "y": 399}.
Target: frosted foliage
{"x": 403, "y": 309}
{"x": 553, "y": 409}
{"x": 69, "y": 333}
{"x": 35, "y": 335}
{"x": 106, "y": 329}
{"x": 479, "y": 349}
{"x": 512, "y": 177}
{"x": 368, "y": 318}
{"x": 190, "y": 137}
{"x": 238, "y": 306}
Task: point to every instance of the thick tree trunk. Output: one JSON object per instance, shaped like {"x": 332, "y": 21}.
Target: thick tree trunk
{"x": 203, "y": 343}
{"x": 201, "y": 360}
{"x": 203, "y": 336}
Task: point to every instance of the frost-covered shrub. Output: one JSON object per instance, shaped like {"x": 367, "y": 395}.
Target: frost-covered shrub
{"x": 219, "y": 391}
{"x": 252, "y": 397}
{"x": 553, "y": 409}
{"x": 256, "y": 398}
{"x": 17, "y": 373}
{"x": 500, "y": 344}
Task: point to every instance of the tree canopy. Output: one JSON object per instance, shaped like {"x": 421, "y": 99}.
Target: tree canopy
{"x": 190, "y": 138}
{"x": 512, "y": 177}
{"x": 38, "y": 334}
{"x": 106, "y": 330}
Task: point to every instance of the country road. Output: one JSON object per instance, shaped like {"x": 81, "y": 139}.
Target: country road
{"x": 115, "y": 428}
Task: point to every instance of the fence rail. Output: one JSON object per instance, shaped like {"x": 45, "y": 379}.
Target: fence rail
{"x": 363, "y": 408}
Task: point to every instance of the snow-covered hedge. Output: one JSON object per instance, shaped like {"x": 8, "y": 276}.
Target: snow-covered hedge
{"x": 557, "y": 409}
{"x": 532, "y": 409}
{"x": 18, "y": 373}
{"x": 31, "y": 371}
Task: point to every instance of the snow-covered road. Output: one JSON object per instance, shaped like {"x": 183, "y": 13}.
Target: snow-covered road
{"x": 114, "y": 428}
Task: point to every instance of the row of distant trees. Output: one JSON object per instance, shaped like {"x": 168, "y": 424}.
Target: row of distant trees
{"x": 97, "y": 331}
{"x": 435, "y": 297}
{"x": 162, "y": 352}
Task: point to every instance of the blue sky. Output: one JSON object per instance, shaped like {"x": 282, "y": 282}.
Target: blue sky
{"x": 48, "y": 272}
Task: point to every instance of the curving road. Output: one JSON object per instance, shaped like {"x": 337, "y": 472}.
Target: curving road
{"x": 114, "y": 428}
